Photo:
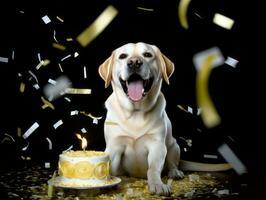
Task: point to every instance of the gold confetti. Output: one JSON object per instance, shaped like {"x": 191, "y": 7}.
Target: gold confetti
{"x": 18, "y": 131}
{"x": 47, "y": 104}
{"x": 69, "y": 39}
{"x": 209, "y": 114}
{"x": 223, "y": 21}
{"x": 59, "y": 46}
{"x": 102, "y": 21}
{"x": 182, "y": 108}
{"x": 60, "y": 19}
{"x": 145, "y": 9}
{"x": 110, "y": 123}
{"x": 42, "y": 63}
{"x": 77, "y": 91}
{"x": 22, "y": 87}
{"x": 182, "y": 12}
{"x": 50, "y": 186}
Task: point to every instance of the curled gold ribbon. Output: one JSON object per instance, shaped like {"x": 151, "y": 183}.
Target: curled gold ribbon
{"x": 182, "y": 13}
{"x": 209, "y": 114}
{"x": 102, "y": 21}
{"x": 77, "y": 91}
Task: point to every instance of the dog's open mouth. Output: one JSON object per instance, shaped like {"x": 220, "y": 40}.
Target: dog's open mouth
{"x": 135, "y": 87}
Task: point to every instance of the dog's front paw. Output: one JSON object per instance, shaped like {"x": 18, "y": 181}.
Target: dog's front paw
{"x": 175, "y": 174}
{"x": 160, "y": 189}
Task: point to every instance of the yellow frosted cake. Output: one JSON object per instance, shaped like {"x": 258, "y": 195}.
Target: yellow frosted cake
{"x": 84, "y": 168}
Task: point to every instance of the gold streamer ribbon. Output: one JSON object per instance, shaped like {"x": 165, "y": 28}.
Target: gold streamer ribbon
{"x": 182, "y": 13}
{"x": 110, "y": 123}
{"x": 77, "y": 91}
{"x": 209, "y": 114}
{"x": 47, "y": 104}
{"x": 102, "y": 21}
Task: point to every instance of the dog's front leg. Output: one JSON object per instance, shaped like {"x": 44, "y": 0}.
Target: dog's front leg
{"x": 115, "y": 152}
{"x": 156, "y": 159}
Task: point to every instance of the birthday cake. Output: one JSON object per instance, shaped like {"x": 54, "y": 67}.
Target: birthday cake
{"x": 84, "y": 168}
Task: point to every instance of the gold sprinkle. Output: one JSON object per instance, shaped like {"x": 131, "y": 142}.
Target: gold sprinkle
{"x": 146, "y": 9}
{"x": 209, "y": 114}
{"x": 60, "y": 67}
{"x": 18, "y": 131}
{"x": 42, "y": 63}
{"x": 59, "y": 46}
{"x": 69, "y": 39}
{"x": 47, "y": 104}
{"x": 223, "y": 21}
{"x": 182, "y": 108}
{"x": 60, "y": 19}
{"x": 182, "y": 12}
{"x": 77, "y": 91}
{"x": 110, "y": 123}
{"x": 102, "y": 21}
{"x": 22, "y": 87}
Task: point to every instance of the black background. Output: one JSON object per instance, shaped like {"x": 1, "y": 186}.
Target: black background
{"x": 24, "y": 32}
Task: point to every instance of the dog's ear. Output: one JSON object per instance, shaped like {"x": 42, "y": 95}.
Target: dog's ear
{"x": 167, "y": 67}
{"x": 105, "y": 70}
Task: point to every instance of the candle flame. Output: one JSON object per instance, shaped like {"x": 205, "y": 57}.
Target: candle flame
{"x": 84, "y": 142}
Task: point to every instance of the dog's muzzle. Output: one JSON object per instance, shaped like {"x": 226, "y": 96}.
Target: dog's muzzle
{"x": 135, "y": 87}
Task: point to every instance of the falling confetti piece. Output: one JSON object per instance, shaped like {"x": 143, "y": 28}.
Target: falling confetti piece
{"x": 55, "y": 37}
{"x": 26, "y": 147}
{"x": 189, "y": 109}
{"x": 74, "y": 112}
{"x": 60, "y": 67}
{"x": 36, "y": 86}
{"x": 3, "y": 59}
{"x": 231, "y": 62}
{"x": 57, "y": 124}
{"x": 223, "y": 21}
{"x": 76, "y": 54}
{"x": 83, "y": 130}
{"x": 47, "y": 104}
{"x": 85, "y": 72}
{"x": 145, "y": 9}
{"x": 182, "y": 12}
{"x": 210, "y": 156}
{"x": 60, "y": 19}
{"x": 46, "y": 19}
{"x": 77, "y": 91}
{"x": 53, "y": 82}
{"x": 47, "y": 165}
{"x": 30, "y": 130}
{"x": 69, "y": 39}
{"x": 182, "y": 108}
{"x": 50, "y": 143}
{"x": 68, "y": 149}
{"x": 22, "y": 87}
{"x": 232, "y": 159}
{"x": 42, "y": 63}
{"x": 59, "y": 46}
{"x": 18, "y": 131}
{"x": 204, "y": 62}
{"x": 66, "y": 57}
{"x": 102, "y": 21}
{"x": 67, "y": 99}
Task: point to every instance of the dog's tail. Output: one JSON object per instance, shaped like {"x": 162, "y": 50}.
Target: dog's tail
{"x": 197, "y": 166}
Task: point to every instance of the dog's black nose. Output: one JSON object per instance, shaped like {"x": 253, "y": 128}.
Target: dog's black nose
{"x": 134, "y": 63}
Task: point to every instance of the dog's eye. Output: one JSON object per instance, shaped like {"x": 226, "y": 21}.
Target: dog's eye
{"x": 122, "y": 56}
{"x": 147, "y": 54}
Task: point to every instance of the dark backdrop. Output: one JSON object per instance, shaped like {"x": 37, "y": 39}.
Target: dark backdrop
{"x": 24, "y": 35}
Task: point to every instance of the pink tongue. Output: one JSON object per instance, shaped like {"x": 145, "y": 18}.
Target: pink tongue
{"x": 134, "y": 90}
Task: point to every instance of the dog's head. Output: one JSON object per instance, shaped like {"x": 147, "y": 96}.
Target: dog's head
{"x": 135, "y": 69}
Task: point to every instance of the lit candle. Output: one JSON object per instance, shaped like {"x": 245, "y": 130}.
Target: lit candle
{"x": 84, "y": 142}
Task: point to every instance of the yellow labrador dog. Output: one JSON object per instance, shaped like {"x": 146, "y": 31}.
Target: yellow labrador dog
{"x": 138, "y": 132}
